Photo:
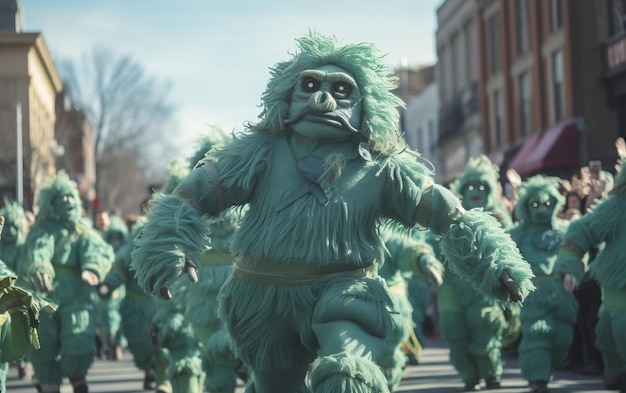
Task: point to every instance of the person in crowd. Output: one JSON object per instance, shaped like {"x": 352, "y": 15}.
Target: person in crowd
{"x": 549, "y": 313}
{"x": 320, "y": 171}
{"x": 65, "y": 260}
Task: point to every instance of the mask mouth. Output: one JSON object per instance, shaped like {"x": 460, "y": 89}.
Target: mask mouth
{"x": 333, "y": 119}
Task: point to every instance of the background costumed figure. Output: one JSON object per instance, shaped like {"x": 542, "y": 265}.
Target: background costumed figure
{"x": 136, "y": 309}
{"x": 548, "y": 314}
{"x": 65, "y": 259}
{"x": 19, "y": 313}
{"x": 220, "y": 364}
{"x": 406, "y": 254}
{"x": 108, "y": 318}
{"x": 604, "y": 223}
{"x": 321, "y": 170}
{"x": 178, "y": 363}
{"x": 472, "y": 323}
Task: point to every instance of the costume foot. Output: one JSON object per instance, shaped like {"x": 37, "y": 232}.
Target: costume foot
{"x": 163, "y": 389}
{"x": 592, "y": 369}
{"x": 611, "y": 382}
{"x": 148, "y": 380}
{"x": 539, "y": 387}
{"x": 492, "y": 383}
{"x": 471, "y": 387}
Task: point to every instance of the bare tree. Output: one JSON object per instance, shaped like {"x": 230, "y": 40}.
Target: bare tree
{"x": 130, "y": 114}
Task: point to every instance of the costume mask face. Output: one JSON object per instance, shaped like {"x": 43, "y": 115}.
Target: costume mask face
{"x": 325, "y": 104}
{"x": 541, "y": 209}
{"x": 475, "y": 194}
{"x": 65, "y": 207}
{"x": 10, "y": 232}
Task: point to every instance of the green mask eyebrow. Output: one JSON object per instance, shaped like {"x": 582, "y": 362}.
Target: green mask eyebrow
{"x": 329, "y": 76}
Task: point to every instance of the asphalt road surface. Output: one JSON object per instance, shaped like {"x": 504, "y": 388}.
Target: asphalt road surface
{"x": 433, "y": 374}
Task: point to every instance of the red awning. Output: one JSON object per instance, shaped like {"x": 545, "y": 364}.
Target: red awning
{"x": 556, "y": 148}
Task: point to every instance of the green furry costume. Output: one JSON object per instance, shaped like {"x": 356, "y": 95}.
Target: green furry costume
{"x": 471, "y": 323}
{"x": 604, "y": 224}
{"x": 108, "y": 318}
{"x": 19, "y": 313}
{"x": 136, "y": 309}
{"x": 65, "y": 259}
{"x": 178, "y": 359}
{"x": 14, "y": 234}
{"x": 406, "y": 254}
{"x": 549, "y": 313}
{"x": 320, "y": 171}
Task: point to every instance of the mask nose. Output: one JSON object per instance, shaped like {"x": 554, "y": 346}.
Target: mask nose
{"x": 322, "y": 101}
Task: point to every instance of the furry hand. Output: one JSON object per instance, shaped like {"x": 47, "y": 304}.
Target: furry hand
{"x": 511, "y": 287}
{"x": 191, "y": 268}
{"x": 42, "y": 282}
{"x": 89, "y": 277}
{"x": 569, "y": 282}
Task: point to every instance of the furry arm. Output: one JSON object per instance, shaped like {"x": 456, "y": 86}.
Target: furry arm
{"x": 476, "y": 246}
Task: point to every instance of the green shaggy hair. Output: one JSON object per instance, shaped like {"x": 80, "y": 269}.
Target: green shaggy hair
{"x": 205, "y": 143}
{"x": 533, "y": 186}
{"x": 61, "y": 184}
{"x": 177, "y": 169}
{"x": 479, "y": 169}
{"x": 364, "y": 62}
{"x": 13, "y": 213}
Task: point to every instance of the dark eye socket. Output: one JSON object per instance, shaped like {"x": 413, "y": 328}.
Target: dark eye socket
{"x": 341, "y": 89}
{"x": 310, "y": 84}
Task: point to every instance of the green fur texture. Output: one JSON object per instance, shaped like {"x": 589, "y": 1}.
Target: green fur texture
{"x": 479, "y": 169}
{"x": 477, "y": 248}
{"x": 61, "y": 184}
{"x": 190, "y": 233}
{"x": 177, "y": 169}
{"x": 538, "y": 185}
{"x": 347, "y": 374}
{"x": 364, "y": 62}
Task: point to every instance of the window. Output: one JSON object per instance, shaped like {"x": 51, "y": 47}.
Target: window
{"x": 521, "y": 16}
{"x": 557, "y": 85}
{"x": 494, "y": 42}
{"x": 555, "y": 15}
{"x": 497, "y": 119}
{"x": 523, "y": 85}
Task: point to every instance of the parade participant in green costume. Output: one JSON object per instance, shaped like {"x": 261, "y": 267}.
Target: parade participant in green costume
{"x": 19, "y": 313}
{"x": 405, "y": 255}
{"x": 200, "y": 300}
{"x": 603, "y": 225}
{"x": 12, "y": 251}
{"x": 65, "y": 259}
{"x": 548, "y": 314}
{"x": 178, "y": 362}
{"x": 108, "y": 318}
{"x": 320, "y": 171}
{"x": 14, "y": 236}
{"x": 470, "y": 322}
{"x": 136, "y": 309}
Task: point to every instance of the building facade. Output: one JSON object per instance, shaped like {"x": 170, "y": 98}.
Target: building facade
{"x": 460, "y": 135}
{"x": 542, "y": 101}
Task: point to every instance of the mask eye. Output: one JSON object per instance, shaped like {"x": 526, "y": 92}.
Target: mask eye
{"x": 310, "y": 84}
{"x": 481, "y": 187}
{"x": 470, "y": 188}
{"x": 341, "y": 89}
{"x": 535, "y": 204}
{"x": 548, "y": 203}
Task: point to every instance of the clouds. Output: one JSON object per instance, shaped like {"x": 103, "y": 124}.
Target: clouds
{"x": 217, "y": 54}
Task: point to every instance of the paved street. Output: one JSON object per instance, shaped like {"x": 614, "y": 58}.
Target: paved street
{"x": 434, "y": 374}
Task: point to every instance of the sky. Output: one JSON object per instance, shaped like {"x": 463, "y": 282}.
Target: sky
{"x": 216, "y": 55}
